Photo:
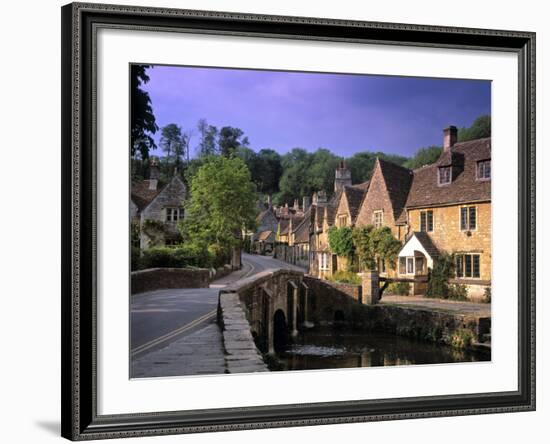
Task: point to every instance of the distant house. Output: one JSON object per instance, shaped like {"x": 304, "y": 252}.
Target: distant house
{"x": 156, "y": 208}
{"x": 263, "y": 240}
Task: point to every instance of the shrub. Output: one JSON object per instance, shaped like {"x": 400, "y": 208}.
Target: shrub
{"x": 462, "y": 338}
{"x": 438, "y": 283}
{"x": 399, "y": 288}
{"x": 487, "y": 295}
{"x": 184, "y": 256}
{"x": 346, "y": 277}
{"x": 458, "y": 292}
{"x": 340, "y": 241}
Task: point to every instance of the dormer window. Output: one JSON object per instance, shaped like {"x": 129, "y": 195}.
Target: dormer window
{"x": 484, "y": 169}
{"x": 445, "y": 175}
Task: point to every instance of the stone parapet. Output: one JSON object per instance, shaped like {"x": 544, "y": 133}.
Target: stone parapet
{"x": 241, "y": 353}
{"x": 162, "y": 278}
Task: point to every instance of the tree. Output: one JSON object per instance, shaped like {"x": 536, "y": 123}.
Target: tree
{"x": 479, "y": 129}
{"x": 230, "y": 139}
{"x": 208, "y": 134}
{"x": 268, "y": 171}
{"x": 142, "y": 118}
{"x": 222, "y": 204}
{"x": 173, "y": 143}
{"x": 424, "y": 156}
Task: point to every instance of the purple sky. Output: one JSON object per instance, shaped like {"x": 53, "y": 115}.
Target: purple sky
{"x": 344, "y": 113}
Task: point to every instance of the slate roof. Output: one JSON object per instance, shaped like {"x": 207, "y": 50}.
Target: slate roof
{"x": 283, "y": 226}
{"x": 398, "y": 181}
{"x": 427, "y": 243}
{"x": 142, "y": 195}
{"x": 264, "y": 213}
{"x": 464, "y": 187}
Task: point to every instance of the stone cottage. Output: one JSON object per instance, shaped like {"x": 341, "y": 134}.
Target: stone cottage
{"x": 156, "y": 208}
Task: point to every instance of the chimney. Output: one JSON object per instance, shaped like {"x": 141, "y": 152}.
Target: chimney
{"x": 322, "y": 196}
{"x": 296, "y": 205}
{"x": 314, "y": 198}
{"x": 342, "y": 177}
{"x": 269, "y": 203}
{"x": 449, "y": 137}
{"x": 154, "y": 174}
{"x": 305, "y": 203}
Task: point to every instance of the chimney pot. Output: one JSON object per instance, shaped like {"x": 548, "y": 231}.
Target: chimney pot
{"x": 449, "y": 137}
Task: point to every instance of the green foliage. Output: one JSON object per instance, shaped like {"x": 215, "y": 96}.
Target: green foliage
{"x": 221, "y": 206}
{"x": 208, "y": 135}
{"x": 424, "y": 156}
{"x": 399, "y": 288}
{"x": 438, "y": 282}
{"x": 229, "y": 139}
{"x": 184, "y": 256}
{"x": 462, "y": 338}
{"x": 479, "y": 129}
{"x": 458, "y": 292}
{"x": 173, "y": 143}
{"x": 487, "y": 295}
{"x": 142, "y": 119}
{"x": 372, "y": 244}
{"x": 154, "y": 230}
{"x": 341, "y": 242}
{"x": 134, "y": 233}
{"x": 345, "y": 277}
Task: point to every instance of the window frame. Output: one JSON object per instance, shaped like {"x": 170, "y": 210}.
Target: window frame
{"x": 439, "y": 175}
{"x": 427, "y": 213}
{"x": 461, "y": 272}
{"x": 374, "y": 217}
{"x": 468, "y": 209}
{"x": 483, "y": 163}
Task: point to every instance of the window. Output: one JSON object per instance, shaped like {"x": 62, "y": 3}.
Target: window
{"x": 410, "y": 265}
{"x": 323, "y": 259}
{"x": 468, "y": 218}
{"x": 342, "y": 220}
{"x": 381, "y": 265}
{"x": 484, "y": 169}
{"x": 445, "y": 175}
{"x": 174, "y": 214}
{"x": 467, "y": 265}
{"x": 378, "y": 219}
{"x": 402, "y": 265}
{"x": 427, "y": 220}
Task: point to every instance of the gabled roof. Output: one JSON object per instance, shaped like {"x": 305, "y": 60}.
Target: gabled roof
{"x": 265, "y": 235}
{"x": 427, "y": 243}
{"x": 354, "y": 196}
{"x": 283, "y": 226}
{"x": 301, "y": 233}
{"x": 142, "y": 195}
{"x": 398, "y": 183}
{"x": 263, "y": 214}
{"x": 464, "y": 187}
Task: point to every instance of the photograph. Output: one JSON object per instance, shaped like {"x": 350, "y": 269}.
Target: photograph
{"x": 294, "y": 220}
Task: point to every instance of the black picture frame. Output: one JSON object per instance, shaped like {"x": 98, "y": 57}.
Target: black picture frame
{"x": 79, "y": 385}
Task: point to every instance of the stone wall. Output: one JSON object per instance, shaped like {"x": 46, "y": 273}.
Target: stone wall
{"x": 427, "y": 325}
{"x": 241, "y": 354}
{"x": 328, "y": 301}
{"x": 159, "y": 278}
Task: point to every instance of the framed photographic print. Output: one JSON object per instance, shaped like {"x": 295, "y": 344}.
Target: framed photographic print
{"x": 278, "y": 221}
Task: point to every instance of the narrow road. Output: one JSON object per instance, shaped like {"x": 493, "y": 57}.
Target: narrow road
{"x": 163, "y": 316}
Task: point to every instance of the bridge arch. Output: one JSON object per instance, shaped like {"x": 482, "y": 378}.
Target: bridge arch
{"x": 280, "y": 331}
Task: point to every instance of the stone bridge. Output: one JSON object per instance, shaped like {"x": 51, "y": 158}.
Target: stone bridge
{"x": 277, "y": 303}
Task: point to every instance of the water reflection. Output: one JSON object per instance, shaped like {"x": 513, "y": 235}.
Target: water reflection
{"x": 328, "y": 348}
